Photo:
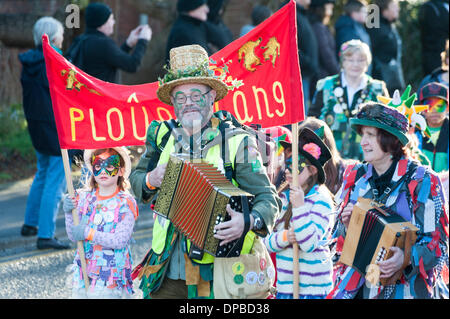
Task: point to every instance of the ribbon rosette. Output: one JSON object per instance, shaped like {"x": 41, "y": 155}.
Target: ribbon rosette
{"x": 312, "y": 149}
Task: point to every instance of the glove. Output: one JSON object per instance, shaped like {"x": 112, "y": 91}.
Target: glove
{"x": 69, "y": 203}
{"x": 79, "y": 230}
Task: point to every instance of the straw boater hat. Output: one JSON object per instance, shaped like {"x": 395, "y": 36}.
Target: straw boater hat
{"x": 189, "y": 64}
{"x": 123, "y": 152}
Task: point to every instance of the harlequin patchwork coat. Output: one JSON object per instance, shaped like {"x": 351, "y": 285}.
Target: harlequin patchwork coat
{"x": 418, "y": 199}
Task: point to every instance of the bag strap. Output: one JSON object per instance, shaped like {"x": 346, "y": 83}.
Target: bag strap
{"x": 171, "y": 124}
{"x": 389, "y": 190}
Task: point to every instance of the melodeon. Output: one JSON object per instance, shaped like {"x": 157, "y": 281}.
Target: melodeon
{"x": 193, "y": 196}
{"x": 372, "y": 231}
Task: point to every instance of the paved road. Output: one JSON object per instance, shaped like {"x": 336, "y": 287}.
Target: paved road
{"x": 26, "y": 272}
{"x": 46, "y": 274}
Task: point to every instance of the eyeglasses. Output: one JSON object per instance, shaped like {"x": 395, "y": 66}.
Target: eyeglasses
{"x": 359, "y": 61}
{"x": 181, "y": 98}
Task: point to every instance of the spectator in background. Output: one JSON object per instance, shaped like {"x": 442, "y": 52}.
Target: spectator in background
{"x": 259, "y": 14}
{"x": 339, "y": 96}
{"x": 436, "y": 147}
{"x": 320, "y": 12}
{"x": 440, "y": 74}
{"x": 191, "y": 27}
{"x": 217, "y": 29}
{"x": 98, "y": 55}
{"x": 387, "y": 47}
{"x": 49, "y": 182}
{"x": 351, "y": 26}
{"x": 434, "y": 24}
{"x": 308, "y": 50}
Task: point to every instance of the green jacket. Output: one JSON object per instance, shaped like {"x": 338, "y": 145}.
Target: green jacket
{"x": 251, "y": 176}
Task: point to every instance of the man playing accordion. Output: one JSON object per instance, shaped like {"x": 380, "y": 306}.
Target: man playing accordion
{"x": 198, "y": 132}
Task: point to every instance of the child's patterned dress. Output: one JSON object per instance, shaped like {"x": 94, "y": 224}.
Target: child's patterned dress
{"x": 107, "y": 253}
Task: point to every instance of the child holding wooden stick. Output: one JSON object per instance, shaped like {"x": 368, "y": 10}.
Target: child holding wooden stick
{"x": 107, "y": 213}
{"x": 306, "y": 220}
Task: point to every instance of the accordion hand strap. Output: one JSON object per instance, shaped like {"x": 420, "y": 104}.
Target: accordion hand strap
{"x": 407, "y": 256}
{"x": 246, "y": 212}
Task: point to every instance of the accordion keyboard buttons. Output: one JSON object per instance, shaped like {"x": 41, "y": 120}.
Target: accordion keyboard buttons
{"x": 381, "y": 254}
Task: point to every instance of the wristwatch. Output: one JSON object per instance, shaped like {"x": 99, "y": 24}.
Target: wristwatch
{"x": 257, "y": 221}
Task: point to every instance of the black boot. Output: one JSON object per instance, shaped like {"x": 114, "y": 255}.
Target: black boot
{"x": 27, "y": 231}
{"x": 45, "y": 243}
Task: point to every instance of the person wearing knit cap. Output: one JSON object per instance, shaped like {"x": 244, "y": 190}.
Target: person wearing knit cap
{"x": 98, "y": 55}
{"x": 409, "y": 191}
{"x": 191, "y": 27}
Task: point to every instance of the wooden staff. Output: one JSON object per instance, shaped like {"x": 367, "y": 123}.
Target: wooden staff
{"x": 295, "y": 266}
{"x": 76, "y": 221}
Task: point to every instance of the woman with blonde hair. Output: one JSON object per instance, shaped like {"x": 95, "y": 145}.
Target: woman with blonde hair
{"x": 338, "y": 97}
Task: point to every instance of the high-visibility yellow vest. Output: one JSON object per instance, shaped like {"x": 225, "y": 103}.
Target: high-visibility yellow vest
{"x": 213, "y": 156}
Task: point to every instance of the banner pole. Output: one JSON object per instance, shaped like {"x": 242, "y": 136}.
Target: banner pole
{"x": 76, "y": 221}
{"x": 295, "y": 266}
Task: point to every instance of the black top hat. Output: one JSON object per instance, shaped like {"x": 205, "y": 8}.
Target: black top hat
{"x": 311, "y": 147}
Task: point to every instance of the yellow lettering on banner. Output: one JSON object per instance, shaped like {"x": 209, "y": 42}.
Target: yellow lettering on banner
{"x": 133, "y": 123}
{"x": 280, "y": 99}
{"x": 74, "y": 119}
{"x": 266, "y": 101}
{"x": 244, "y": 103}
{"x": 161, "y": 118}
{"x": 94, "y": 131}
{"x": 108, "y": 122}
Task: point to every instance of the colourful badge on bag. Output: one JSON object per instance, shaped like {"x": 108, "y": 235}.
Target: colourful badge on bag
{"x": 271, "y": 272}
{"x": 238, "y": 279}
{"x": 261, "y": 278}
{"x": 238, "y": 268}
{"x": 262, "y": 263}
{"x": 251, "y": 278}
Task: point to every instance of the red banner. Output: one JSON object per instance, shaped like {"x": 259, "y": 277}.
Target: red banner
{"x": 261, "y": 69}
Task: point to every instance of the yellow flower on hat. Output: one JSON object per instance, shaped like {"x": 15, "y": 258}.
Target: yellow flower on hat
{"x": 405, "y": 105}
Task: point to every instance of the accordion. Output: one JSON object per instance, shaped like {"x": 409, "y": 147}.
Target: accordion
{"x": 372, "y": 231}
{"x": 193, "y": 196}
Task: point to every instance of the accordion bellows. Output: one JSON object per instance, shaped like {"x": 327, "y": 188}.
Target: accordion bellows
{"x": 372, "y": 231}
{"x": 193, "y": 196}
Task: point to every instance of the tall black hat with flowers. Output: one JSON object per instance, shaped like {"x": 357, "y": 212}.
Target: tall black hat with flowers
{"x": 312, "y": 148}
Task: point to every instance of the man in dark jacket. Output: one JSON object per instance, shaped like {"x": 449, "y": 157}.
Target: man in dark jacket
{"x": 192, "y": 27}
{"x": 387, "y": 47}
{"x": 308, "y": 49}
{"x": 49, "y": 182}
{"x": 98, "y": 55}
{"x": 434, "y": 23}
